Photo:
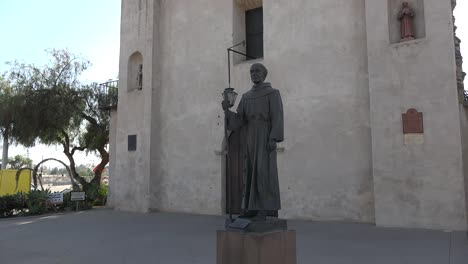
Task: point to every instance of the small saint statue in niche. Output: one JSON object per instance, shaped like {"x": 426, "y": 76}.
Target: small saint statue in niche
{"x": 140, "y": 77}
{"x": 406, "y": 17}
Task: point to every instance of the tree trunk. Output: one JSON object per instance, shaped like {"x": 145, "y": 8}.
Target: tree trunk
{"x": 101, "y": 166}
{"x": 90, "y": 188}
{"x": 5, "y": 150}
{"x": 75, "y": 174}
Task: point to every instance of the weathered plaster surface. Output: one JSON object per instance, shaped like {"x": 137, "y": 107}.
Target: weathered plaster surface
{"x": 112, "y": 155}
{"x": 326, "y": 103}
{"x": 339, "y": 76}
{"x": 463, "y": 107}
{"x": 194, "y": 36}
{"x": 319, "y": 64}
{"x": 415, "y": 185}
{"x": 464, "y": 132}
{"x": 132, "y": 169}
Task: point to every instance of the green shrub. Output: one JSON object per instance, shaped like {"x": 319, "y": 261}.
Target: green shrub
{"x": 37, "y": 201}
{"x": 101, "y": 198}
{"x": 11, "y": 204}
{"x": 96, "y": 196}
{"x": 7, "y": 205}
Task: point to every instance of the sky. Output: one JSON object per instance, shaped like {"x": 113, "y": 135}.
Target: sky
{"x": 91, "y": 29}
{"x": 461, "y": 21}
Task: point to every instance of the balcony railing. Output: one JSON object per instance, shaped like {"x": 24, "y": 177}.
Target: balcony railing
{"x": 111, "y": 94}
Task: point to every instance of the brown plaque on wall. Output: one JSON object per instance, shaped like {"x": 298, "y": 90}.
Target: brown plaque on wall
{"x": 413, "y": 122}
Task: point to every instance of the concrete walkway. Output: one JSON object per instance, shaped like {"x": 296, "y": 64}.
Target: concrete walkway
{"x": 105, "y": 236}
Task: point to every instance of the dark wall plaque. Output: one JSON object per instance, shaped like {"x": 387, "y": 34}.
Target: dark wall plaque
{"x": 132, "y": 142}
{"x": 413, "y": 122}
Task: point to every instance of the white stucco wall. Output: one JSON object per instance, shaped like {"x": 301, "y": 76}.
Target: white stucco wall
{"x": 317, "y": 58}
{"x": 344, "y": 87}
{"x": 112, "y": 155}
{"x": 325, "y": 95}
{"x": 130, "y": 190}
{"x": 194, "y": 36}
{"x": 416, "y": 185}
{"x": 464, "y": 137}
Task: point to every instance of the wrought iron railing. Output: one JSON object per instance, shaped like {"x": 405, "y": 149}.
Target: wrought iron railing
{"x": 111, "y": 94}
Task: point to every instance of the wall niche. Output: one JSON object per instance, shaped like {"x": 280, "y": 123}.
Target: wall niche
{"x": 395, "y": 23}
{"x": 135, "y": 72}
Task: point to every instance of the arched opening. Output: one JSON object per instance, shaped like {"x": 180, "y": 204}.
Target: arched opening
{"x": 135, "y": 72}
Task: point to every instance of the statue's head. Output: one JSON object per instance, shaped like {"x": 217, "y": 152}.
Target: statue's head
{"x": 258, "y": 73}
{"x": 405, "y": 4}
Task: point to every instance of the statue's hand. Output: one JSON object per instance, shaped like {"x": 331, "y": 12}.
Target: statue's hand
{"x": 271, "y": 145}
{"x": 225, "y": 105}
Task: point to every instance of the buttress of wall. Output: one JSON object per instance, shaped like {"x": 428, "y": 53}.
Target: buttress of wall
{"x": 463, "y": 107}
{"x": 194, "y": 36}
{"x": 132, "y": 169}
{"x": 417, "y": 183}
{"x": 317, "y": 58}
{"x": 112, "y": 155}
{"x": 464, "y": 140}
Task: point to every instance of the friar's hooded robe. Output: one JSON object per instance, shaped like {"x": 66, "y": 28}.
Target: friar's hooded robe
{"x": 260, "y": 115}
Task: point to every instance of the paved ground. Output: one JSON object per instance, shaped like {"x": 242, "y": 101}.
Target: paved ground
{"x": 106, "y": 236}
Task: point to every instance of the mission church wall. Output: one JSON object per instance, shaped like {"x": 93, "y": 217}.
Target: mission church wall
{"x": 318, "y": 57}
{"x": 325, "y": 170}
{"x": 420, "y": 181}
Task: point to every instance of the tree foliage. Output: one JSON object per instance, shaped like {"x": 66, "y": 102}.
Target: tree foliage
{"x": 58, "y": 109}
{"x": 9, "y": 109}
{"x": 52, "y": 99}
{"x": 18, "y": 162}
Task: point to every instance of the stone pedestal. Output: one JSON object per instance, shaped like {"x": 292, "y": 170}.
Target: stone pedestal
{"x": 234, "y": 247}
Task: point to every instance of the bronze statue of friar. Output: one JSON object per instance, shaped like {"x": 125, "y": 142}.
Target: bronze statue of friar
{"x": 260, "y": 115}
